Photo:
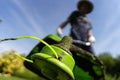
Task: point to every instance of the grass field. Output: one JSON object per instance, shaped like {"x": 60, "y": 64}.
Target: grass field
{"x": 11, "y": 78}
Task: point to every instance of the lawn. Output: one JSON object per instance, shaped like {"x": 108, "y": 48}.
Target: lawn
{"x": 11, "y": 78}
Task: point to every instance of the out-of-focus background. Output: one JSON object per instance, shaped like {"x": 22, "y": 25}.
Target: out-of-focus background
{"x": 42, "y": 17}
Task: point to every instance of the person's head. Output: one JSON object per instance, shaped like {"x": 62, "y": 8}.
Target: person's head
{"x": 85, "y": 6}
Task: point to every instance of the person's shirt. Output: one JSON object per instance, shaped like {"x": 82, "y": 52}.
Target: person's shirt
{"x": 80, "y": 26}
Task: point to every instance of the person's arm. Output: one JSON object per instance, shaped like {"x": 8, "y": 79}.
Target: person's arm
{"x": 59, "y": 29}
{"x": 90, "y": 33}
{"x": 91, "y": 37}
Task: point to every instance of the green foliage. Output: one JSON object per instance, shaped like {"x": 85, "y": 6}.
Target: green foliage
{"x": 112, "y": 65}
{"x": 109, "y": 77}
{"x": 12, "y": 68}
{"x": 10, "y": 78}
{"x": 118, "y": 78}
{"x": 107, "y": 59}
{"x": 9, "y": 63}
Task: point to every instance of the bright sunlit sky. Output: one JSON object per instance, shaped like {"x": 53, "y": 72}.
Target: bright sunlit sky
{"x": 42, "y": 17}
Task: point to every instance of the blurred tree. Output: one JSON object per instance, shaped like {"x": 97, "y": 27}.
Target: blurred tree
{"x": 108, "y": 60}
{"x": 112, "y": 64}
{"x": 12, "y": 66}
{"x": 9, "y": 63}
{"x": 116, "y": 68}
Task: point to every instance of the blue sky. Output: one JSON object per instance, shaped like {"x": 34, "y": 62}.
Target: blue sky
{"x": 42, "y": 17}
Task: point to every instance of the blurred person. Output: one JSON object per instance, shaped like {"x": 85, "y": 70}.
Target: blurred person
{"x": 80, "y": 25}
